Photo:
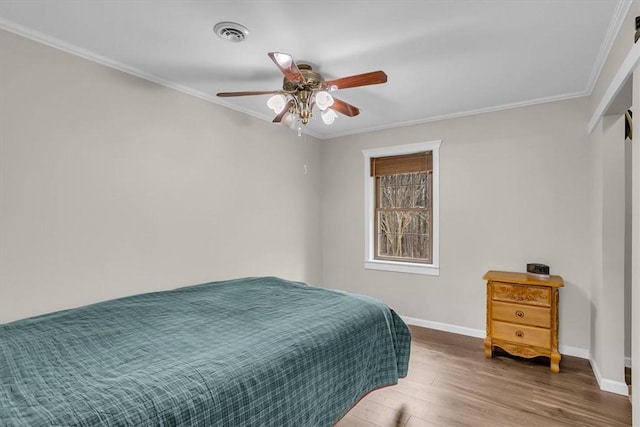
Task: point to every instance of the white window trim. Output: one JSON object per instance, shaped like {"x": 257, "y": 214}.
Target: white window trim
{"x": 370, "y": 262}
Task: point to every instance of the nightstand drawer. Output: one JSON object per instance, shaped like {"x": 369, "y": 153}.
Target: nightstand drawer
{"x": 535, "y": 295}
{"x": 522, "y": 314}
{"x": 521, "y": 334}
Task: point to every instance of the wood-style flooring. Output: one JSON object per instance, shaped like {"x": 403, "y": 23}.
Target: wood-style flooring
{"x": 451, "y": 383}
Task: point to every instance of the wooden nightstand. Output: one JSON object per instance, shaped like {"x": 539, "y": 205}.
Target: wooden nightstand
{"x": 522, "y": 315}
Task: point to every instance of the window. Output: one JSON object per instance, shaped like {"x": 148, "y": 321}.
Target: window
{"x": 401, "y": 208}
{"x": 402, "y": 219}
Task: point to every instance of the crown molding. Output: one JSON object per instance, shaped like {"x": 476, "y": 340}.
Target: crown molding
{"x": 93, "y": 57}
{"x": 467, "y": 113}
{"x": 622, "y": 9}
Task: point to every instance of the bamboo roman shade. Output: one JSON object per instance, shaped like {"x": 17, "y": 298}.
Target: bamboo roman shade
{"x": 408, "y": 163}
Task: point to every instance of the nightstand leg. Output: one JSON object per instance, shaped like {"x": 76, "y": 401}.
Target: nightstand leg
{"x": 555, "y": 362}
{"x": 488, "y": 347}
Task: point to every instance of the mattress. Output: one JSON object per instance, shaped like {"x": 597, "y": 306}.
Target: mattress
{"x": 248, "y": 352}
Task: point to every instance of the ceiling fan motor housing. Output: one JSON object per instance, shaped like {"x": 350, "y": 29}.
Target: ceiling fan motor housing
{"x": 304, "y": 91}
{"x": 313, "y": 80}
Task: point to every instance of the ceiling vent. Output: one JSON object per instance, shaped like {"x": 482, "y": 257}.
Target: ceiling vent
{"x": 231, "y": 31}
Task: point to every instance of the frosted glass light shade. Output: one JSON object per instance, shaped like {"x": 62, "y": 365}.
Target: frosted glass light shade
{"x": 283, "y": 59}
{"x": 288, "y": 120}
{"x": 323, "y": 100}
{"x": 328, "y": 116}
{"x": 277, "y": 103}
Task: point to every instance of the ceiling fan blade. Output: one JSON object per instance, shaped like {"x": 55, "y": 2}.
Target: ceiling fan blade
{"x": 282, "y": 113}
{"x": 344, "y": 108}
{"x": 255, "y": 92}
{"x": 372, "y": 78}
{"x": 285, "y": 62}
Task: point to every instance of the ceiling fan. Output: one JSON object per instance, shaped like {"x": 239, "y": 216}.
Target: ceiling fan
{"x": 303, "y": 88}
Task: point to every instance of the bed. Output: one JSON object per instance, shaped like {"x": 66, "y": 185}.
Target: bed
{"x": 246, "y": 352}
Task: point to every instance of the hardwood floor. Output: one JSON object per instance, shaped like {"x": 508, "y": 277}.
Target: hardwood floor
{"x": 451, "y": 383}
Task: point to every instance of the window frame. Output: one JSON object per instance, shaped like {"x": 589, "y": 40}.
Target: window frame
{"x": 370, "y": 262}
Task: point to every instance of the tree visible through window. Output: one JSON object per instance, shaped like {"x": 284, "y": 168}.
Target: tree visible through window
{"x": 403, "y": 207}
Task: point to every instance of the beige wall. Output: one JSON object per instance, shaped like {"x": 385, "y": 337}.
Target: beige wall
{"x": 112, "y": 185}
{"x": 515, "y": 188}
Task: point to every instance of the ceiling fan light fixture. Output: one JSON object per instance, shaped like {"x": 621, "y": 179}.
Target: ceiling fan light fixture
{"x": 283, "y": 59}
{"x": 289, "y": 120}
{"x": 323, "y": 100}
{"x": 277, "y": 103}
{"x": 328, "y": 116}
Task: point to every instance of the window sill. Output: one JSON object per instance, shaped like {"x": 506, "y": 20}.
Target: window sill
{"x": 403, "y": 267}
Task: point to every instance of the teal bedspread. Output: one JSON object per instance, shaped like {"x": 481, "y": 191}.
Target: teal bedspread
{"x": 246, "y": 352}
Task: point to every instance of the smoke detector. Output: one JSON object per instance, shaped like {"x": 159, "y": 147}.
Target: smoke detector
{"x": 231, "y": 31}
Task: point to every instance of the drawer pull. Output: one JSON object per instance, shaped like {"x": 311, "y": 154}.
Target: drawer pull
{"x": 519, "y": 334}
{"x": 519, "y": 313}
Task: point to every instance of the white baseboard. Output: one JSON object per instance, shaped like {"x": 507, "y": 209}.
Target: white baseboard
{"x": 605, "y": 384}
{"x": 582, "y": 353}
{"x": 446, "y": 327}
{"x": 617, "y": 387}
{"x": 481, "y": 333}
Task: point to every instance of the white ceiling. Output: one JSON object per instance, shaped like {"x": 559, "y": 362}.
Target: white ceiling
{"x": 443, "y": 58}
